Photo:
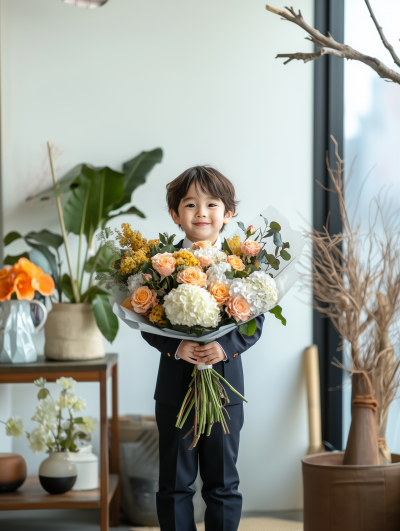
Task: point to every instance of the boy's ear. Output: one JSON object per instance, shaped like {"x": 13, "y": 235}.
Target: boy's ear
{"x": 228, "y": 216}
{"x": 175, "y": 217}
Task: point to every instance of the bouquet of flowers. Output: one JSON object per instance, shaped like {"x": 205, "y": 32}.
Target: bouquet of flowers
{"x": 54, "y": 433}
{"x": 200, "y": 293}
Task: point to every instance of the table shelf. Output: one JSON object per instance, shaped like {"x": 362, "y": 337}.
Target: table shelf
{"x": 32, "y": 496}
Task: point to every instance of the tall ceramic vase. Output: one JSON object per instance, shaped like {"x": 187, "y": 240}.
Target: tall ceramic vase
{"x": 16, "y": 330}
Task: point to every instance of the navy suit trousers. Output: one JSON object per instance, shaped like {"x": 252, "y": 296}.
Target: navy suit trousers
{"x": 216, "y": 456}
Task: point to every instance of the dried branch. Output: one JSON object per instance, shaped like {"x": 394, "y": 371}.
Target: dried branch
{"x": 360, "y": 295}
{"x": 329, "y": 46}
{"x": 385, "y": 42}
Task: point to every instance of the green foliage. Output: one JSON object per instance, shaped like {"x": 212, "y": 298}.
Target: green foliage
{"x": 11, "y": 260}
{"x": 285, "y": 255}
{"x": 225, "y": 247}
{"x": 106, "y": 320}
{"x": 43, "y": 393}
{"x": 248, "y": 328}
{"x": 277, "y": 311}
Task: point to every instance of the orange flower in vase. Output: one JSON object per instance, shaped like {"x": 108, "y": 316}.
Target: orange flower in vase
{"x": 24, "y": 278}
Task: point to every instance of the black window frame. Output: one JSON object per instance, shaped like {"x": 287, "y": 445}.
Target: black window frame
{"x": 328, "y": 120}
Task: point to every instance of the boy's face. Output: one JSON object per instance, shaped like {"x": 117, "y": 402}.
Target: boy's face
{"x": 201, "y": 216}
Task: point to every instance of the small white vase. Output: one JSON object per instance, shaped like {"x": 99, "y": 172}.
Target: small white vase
{"x": 87, "y": 464}
{"x": 57, "y": 473}
{"x": 16, "y": 330}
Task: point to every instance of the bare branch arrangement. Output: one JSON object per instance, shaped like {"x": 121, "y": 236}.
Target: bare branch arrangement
{"x": 361, "y": 297}
{"x": 329, "y": 46}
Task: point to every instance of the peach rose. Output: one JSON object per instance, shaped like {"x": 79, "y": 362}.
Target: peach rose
{"x": 143, "y": 299}
{"x": 238, "y": 308}
{"x": 205, "y": 260}
{"x": 219, "y": 291}
{"x": 235, "y": 262}
{"x": 201, "y": 245}
{"x": 250, "y": 247}
{"x": 192, "y": 275}
{"x": 163, "y": 263}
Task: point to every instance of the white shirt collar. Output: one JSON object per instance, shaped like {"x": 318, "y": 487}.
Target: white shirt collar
{"x": 186, "y": 244}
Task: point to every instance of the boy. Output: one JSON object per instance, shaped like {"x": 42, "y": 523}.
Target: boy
{"x": 201, "y": 201}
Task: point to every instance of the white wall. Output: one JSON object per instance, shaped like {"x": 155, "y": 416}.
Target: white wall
{"x": 198, "y": 79}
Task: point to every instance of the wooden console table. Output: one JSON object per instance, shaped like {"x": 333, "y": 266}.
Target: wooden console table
{"x": 31, "y": 495}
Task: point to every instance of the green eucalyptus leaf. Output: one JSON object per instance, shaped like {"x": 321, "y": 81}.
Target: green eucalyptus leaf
{"x": 286, "y": 245}
{"x": 275, "y": 225}
{"x": 225, "y": 247}
{"x": 167, "y": 249}
{"x": 106, "y": 319}
{"x": 277, "y": 311}
{"x": 162, "y": 238}
{"x": 241, "y": 225}
{"x": 278, "y": 240}
{"x": 265, "y": 219}
{"x": 11, "y": 237}
{"x": 285, "y": 255}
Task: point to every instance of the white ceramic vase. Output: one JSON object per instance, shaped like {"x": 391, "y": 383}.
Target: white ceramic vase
{"x": 57, "y": 473}
{"x": 71, "y": 333}
{"x": 16, "y": 330}
{"x": 87, "y": 464}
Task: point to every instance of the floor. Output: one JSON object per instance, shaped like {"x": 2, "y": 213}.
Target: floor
{"x": 81, "y": 520}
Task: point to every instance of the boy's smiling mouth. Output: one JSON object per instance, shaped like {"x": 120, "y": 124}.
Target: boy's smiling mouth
{"x": 202, "y": 224}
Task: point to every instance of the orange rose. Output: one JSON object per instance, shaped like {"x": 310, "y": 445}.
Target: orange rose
{"x": 201, "y": 245}
{"x": 205, "y": 260}
{"x": 235, "y": 262}
{"x": 127, "y": 304}
{"x": 238, "y": 308}
{"x": 192, "y": 275}
{"x": 250, "y": 247}
{"x": 143, "y": 299}
{"x": 6, "y": 284}
{"x": 219, "y": 291}
{"x": 164, "y": 263}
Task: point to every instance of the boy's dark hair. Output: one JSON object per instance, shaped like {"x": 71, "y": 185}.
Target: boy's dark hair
{"x": 209, "y": 180}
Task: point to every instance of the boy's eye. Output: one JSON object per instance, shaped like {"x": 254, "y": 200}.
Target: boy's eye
{"x": 190, "y": 205}
{"x": 212, "y": 205}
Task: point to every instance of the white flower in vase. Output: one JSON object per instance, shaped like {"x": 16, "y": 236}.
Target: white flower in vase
{"x": 15, "y": 427}
{"x": 46, "y": 413}
{"x": 38, "y": 439}
{"x": 90, "y": 424}
{"x": 79, "y": 405}
{"x": 40, "y": 382}
{"x": 66, "y": 383}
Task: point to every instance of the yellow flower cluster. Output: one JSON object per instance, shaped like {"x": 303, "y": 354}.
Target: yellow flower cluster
{"x": 185, "y": 258}
{"x": 157, "y": 315}
{"x": 140, "y": 249}
{"x": 234, "y": 244}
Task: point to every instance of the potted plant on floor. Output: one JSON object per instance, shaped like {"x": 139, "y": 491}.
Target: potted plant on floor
{"x": 95, "y": 196}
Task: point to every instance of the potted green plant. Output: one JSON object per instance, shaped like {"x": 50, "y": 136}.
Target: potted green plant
{"x": 95, "y": 196}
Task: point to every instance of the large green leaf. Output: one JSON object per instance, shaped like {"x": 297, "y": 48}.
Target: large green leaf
{"x": 95, "y": 192}
{"x": 277, "y": 311}
{"x": 11, "y": 260}
{"x": 136, "y": 171}
{"x": 11, "y": 237}
{"x": 106, "y": 320}
{"x": 51, "y": 259}
{"x": 63, "y": 186}
{"x": 101, "y": 260}
{"x": 91, "y": 293}
{"x": 67, "y": 287}
{"x": 45, "y": 237}
{"x": 131, "y": 210}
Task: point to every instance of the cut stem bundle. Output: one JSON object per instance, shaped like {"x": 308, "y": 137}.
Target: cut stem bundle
{"x": 208, "y": 397}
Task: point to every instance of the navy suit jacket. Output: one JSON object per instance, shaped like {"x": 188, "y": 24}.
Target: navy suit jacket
{"x": 174, "y": 375}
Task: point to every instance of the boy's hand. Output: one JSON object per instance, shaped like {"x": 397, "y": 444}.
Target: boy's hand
{"x": 209, "y": 354}
{"x": 186, "y": 351}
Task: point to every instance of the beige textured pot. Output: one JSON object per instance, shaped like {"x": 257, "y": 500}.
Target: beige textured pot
{"x": 71, "y": 333}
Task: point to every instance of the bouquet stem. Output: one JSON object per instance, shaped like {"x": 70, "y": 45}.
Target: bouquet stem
{"x": 208, "y": 397}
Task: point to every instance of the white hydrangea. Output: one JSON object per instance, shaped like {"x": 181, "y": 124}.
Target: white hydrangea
{"x": 90, "y": 424}
{"x": 46, "y": 413}
{"x": 80, "y": 404}
{"x": 15, "y": 427}
{"x": 135, "y": 281}
{"x": 191, "y": 305}
{"x": 38, "y": 439}
{"x": 259, "y": 289}
{"x": 217, "y": 272}
{"x": 217, "y": 256}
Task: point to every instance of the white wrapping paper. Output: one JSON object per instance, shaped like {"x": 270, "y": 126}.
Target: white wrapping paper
{"x": 284, "y": 278}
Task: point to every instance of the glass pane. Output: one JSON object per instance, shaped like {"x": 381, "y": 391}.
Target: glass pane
{"x": 372, "y": 134}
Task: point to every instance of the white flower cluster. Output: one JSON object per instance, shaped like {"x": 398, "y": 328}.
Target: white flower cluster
{"x": 39, "y": 438}
{"x": 135, "y": 281}
{"x": 217, "y": 272}
{"x": 217, "y": 256}
{"x": 15, "y": 427}
{"x": 191, "y": 305}
{"x": 46, "y": 413}
{"x": 66, "y": 383}
{"x": 68, "y": 400}
{"x": 259, "y": 290}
